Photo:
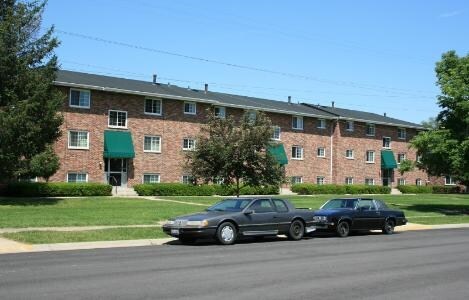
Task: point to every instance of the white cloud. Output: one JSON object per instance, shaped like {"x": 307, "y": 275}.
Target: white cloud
{"x": 450, "y": 14}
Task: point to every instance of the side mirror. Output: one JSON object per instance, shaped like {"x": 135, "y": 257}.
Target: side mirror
{"x": 249, "y": 212}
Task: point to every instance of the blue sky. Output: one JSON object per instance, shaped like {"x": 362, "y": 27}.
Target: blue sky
{"x": 377, "y": 56}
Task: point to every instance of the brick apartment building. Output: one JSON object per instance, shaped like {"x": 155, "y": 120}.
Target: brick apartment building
{"x": 126, "y": 132}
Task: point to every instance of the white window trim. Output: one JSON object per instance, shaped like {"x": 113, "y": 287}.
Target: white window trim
{"x": 372, "y": 181}
{"x": 401, "y": 179}
{"x": 221, "y": 108}
{"x": 78, "y": 106}
{"x": 346, "y": 180}
{"x": 300, "y": 177}
{"x": 390, "y": 141}
{"x": 279, "y": 133}
{"x": 366, "y": 157}
{"x": 324, "y": 152}
{"x": 182, "y": 178}
{"x": 350, "y": 157}
{"x": 323, "y": 180}
{"x": 152, "y": 136}
{"x": 374, "y": 129}
{"x": 150, "y": 174}
{"x": 302, "y": 123}
{"x": 405, "y": 133}
{"x": 417, "y": 181}
{"x": 451, "y": 180}
{"x": 151, "y": 113}
{"x": 87, "y": 140}
{"x": 195, "y": 108}
{"x": 320, "y": 123}
{"x": 115, "y": 126}
{"x": 86, "y": 175}
{"x": 188, "y": 149}
{"x": 302, "y": 153}
{"x": 398, "y": 154}
{"x": 352, "y": 127}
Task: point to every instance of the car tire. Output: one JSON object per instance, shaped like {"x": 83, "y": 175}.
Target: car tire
{"x": 296, "y": 231}
{"x": 343, "y": 229}
{"x": 388, "y": 227}
{"x": 226, "y": 233}
{"x": 187, "y": 241}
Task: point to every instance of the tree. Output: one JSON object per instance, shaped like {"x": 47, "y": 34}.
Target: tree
{"x": 44, "y": 164}
{"x": 406, "y": 166}
{"x": 431, "y": 123}
{"x": 445, "y": 150}
{"x": 236, "y": 153}
{"x": 29, "y": 103}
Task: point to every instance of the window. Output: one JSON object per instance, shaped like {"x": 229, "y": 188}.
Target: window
{"x": 349, "y": 125}
{"x": 320, "y": 180}
{"x": 188, "y": 144}
{"x": 401, "y": 133}
{"x": 78, "y": 139}
{"x": 280, "y": 205}
{"x": 297, "y": 122}
{"x": 190, "y": 108}
{"x": 80, "y": 98}
{"x": 117, "y": 119}
{"x": 400, "y": 157}
{"x": 418, "y": 158}
{"x": 449, "y": 180}
{"x": 370, "y": 129}
{"x": 369, "y": 181}
{"x": 220, "y": 112}
{"x": 386, "y": 142}
{"x": 276, "y": 133}
{"x": 321, "y": 152}
{"x": 187, "y": 179}
{"x": 370, "y": 156}
{"x": 348, "y": 180}
{"x": 152, "y": 144}
{"x": 418, "y": 182}
{"x": 401, "y": 181}
{"x": 297, "y": 152}
{"x": 296, "y": 179}
{"x": 349, "y": 154}
{"x": 252, "y": 115}
{"x": 77, "y": 177}
{"x": 321, "y": 123}
{"x": 366, "y": 204}
{"x": 151, "y": 178}
{"x": 153, "y": 106}
{"x": 262, "y": 206}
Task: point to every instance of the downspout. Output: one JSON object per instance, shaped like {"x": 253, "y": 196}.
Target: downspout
{"x": 332, "y": 145}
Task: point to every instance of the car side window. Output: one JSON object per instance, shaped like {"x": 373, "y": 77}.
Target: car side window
{"x": 280, "y": 205}
{"x": 366, "y": 204}
{"x": 262, "y": 206}
{"x": 380, "y": 204}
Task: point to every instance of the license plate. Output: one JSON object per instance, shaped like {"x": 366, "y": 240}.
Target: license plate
{"x": 175, "y": 231}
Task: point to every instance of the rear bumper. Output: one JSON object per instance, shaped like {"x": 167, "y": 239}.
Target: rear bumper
{"x": 187, "y": 232}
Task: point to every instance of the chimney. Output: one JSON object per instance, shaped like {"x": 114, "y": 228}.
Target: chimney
{"x": 154, "y": 78}
{"x": 384, "y": 114}
{"x": 332, "y": 104}
{"x": 206, "y": 88}
{"x": 289, "y": 99}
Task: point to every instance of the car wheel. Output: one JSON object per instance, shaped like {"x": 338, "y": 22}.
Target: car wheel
{"x": 187, "y": 241}
{"x": 388, "y": 227}
{"x": 226, "y": 233}
{"x": 297, "y": 230}
{"x": 343, "y": 229}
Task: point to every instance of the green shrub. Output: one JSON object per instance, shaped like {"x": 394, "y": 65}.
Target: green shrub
{"x": 441, "y": 189}
{"x": 415, "y": 189}
{"x": 312, "y": 189}
{"x": 57, "y": 189}
{"x": 174, "y": 189}
{"x": 230, "y": 190}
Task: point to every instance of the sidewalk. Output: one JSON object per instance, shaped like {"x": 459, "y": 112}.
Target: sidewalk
{"x": 8, "y": 246}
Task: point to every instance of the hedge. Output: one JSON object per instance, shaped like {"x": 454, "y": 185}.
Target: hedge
{"x": 57, "y": 189}
{"x": 180, "y": 189}
{"x": 312, "y": 189}
{"x": 223, "y": 190}
{"x": 429, "y": 189}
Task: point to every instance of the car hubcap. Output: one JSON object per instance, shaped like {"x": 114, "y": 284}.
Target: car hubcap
{"x": 343, "y": 229}
{"x": 296, "y": 229}
{"x": 389, "y": 227}
{"x": 227, "y": 233}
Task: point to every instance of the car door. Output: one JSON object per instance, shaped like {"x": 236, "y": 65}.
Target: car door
{"x": 283, "y": 216}
{"x": 259, "y": 218}
{"x": 366, "y": 215}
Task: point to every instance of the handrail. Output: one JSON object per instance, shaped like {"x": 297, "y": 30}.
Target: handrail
{"x": 115, "y": 181}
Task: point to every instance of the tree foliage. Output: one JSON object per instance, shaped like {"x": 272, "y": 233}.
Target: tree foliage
{"x": 445, "y": 149}
{"x": 235, "y": 152}
{"x": 406, "y": 166}
{"x": 28, "y": 101}
{"x": 44, "y": 164}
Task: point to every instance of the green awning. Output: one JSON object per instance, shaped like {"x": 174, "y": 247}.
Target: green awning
{"x": 118, "y": 144}
{"x": 387, "y": 160}
{"x": 278, "y": 152}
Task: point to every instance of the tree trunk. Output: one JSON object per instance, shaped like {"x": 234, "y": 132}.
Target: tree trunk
{"x": 237, "y": 187}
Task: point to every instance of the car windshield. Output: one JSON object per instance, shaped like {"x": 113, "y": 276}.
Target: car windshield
{"x": 230, "y": 205}
{"x": 340, "y": 203}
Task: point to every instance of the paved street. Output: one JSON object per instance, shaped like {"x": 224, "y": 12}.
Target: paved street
{"x": 411, "y": 265}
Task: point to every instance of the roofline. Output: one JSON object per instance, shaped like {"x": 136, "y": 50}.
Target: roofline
{"x": 182, "y": 98}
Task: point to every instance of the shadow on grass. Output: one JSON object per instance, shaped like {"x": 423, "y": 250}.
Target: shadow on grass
{"x": 29, "y": 201}
{"x": 445, "y": 209}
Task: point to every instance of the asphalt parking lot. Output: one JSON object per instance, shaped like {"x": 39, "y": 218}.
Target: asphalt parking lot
{"x": 410, "y": 265}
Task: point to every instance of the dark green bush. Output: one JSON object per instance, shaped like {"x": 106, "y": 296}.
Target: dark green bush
{"x": 441, "y": 189}
{"x": 57, "y": 189}
{"x": 415, "y": 189}
{"x": 312, "y": 189}
{"x": 174, "y": 189}
{"x": 230, "y": 190}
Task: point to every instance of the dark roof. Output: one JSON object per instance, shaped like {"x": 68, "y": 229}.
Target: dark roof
{"x": 364, "y": 116}
{"x": 123, "y": 85}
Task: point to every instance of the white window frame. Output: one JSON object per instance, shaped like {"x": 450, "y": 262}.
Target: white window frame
{"x": 299, "y": 119}
{"x": 349, "y": 128}
{"x": 296, "y": 152}
{"x": 190, "y": 112}
{"x": 77, "y": 173}
{"x": 222, "y": 112}
{"x": 118, "y": 111}
{"x": 349, "y": 157}
{"x": 151, "y": 174}
{"x": 159, "y": 144}
{"x": 348, "y": 180}
{"x": 451, "y": 181}
{"x": 404, "y": 135}
{"x": 78, "y": 106}
{"x": 366, "y": 157}
{"x": 323, "y": 152}
{"x": 401, "y": 181}
{"x": 188, "y": 148}
{"x": 78, "y": 147}
{"x": 152, "y": 113}
{"x": 274, "y": 136}
{"x": 387, "y": 138}
{"x": 369, "y": 181}
{"x": 399, "y": 160}
{"x": 321, "y": 124}
{"x": 370, "y": 125}
{"x": 418, "y": 158}
{"x": 320, "y": 180}
{"x": 296, "y": 181}
{"x": 418, "y": 182}
{"x": 188, "y": 177}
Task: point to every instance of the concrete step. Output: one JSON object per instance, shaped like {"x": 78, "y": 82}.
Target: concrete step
{"x": 395, "y": 191}
{"x": 123, "y": 191}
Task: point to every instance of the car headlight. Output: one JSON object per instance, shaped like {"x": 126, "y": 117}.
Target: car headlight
{"x": 170, "y": 222}
{"x": 320, "y": 218}
{"x": 202, "y": 223}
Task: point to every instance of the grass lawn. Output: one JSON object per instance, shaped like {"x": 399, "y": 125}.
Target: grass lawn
{"x": 114, "y": 234}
